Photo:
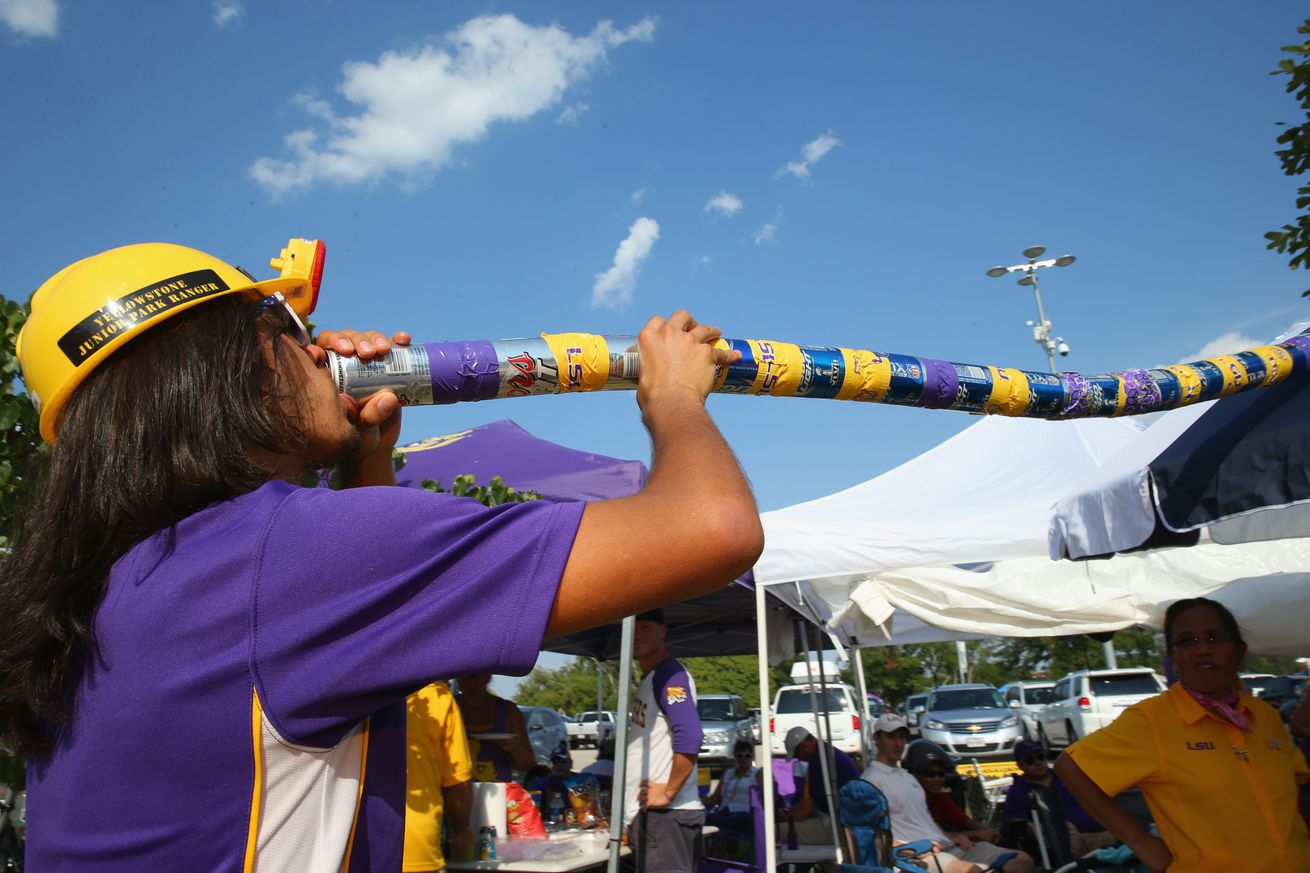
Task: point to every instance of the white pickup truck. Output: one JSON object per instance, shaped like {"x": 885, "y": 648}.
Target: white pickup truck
{"x": 590, "y": 729}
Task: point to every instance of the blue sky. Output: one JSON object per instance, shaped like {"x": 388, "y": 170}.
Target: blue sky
{"x": 839, "y": 174}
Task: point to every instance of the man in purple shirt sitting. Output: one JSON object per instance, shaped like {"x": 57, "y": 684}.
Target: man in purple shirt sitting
{"x": 205, "y": 662}
{"x": 810, "y": 815}
{"x": 1037, "y": 781}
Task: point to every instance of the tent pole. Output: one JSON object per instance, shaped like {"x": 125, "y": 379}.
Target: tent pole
{"x": 865, "y": 751}
{"x": 600, "y": 698}
{"x": 827, "y": 759}
{"x": 620, "y": 743}
{"x": 766, "y": 729}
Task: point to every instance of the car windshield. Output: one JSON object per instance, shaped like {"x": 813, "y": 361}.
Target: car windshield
{"x": 791, "y": 701}
{"x": 714, "y": 710}
{"x": 589, "y": 716}
{"x": 965, "y": 698}
{"x": 1258, "y": 684}
{"x": 916, "y": 701}
{"x": 1037, "y": 695}
{"x": 1133, "y": 683}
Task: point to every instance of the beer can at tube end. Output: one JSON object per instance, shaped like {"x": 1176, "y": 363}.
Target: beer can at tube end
{"x": 453, "y": 372}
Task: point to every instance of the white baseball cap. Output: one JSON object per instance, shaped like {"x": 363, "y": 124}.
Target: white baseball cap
{"x": 794, "y": 738}
{"x": 890, "y": 723}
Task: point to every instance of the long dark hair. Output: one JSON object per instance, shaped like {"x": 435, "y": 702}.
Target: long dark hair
{"x": 159, "y": 430}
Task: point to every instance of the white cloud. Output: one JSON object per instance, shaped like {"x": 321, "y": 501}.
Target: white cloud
{"x": 811, "y": 154}
{"x": 31, "y": 17}
{"x": 638, "y": 196}
{"x": 769, "y": 231}
{"x": 614, "y": 287}
{"x": 572, "y": 113}
{"x": 724, "y": 203}
{"x": 1224, "y": 344}
{"x": 227, "y": 12}
{"x": 705, "y": 260}
{"x": 412, "y": 108}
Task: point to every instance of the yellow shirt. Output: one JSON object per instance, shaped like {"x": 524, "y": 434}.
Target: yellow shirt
{"x": 1223, "y": 799}
{"x": 437, "y": 758}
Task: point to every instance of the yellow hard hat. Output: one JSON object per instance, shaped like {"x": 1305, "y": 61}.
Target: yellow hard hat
{"x": 90, "y": 308}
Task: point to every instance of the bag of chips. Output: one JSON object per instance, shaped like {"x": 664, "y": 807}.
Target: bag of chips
{"x": 522, "y": 818}
{"x": 584, "y": 807}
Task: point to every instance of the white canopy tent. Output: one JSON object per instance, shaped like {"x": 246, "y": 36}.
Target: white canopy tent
{"x": 905, "y": 557}
{"x": 953, "y": 545}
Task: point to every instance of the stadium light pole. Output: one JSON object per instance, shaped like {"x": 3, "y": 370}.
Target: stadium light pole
{"x": 1041, "y": 327}
{"x": 1042, "y": 336}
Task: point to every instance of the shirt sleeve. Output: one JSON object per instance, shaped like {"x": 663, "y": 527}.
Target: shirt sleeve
{"x": 674, "y": 696}
{"x": 361, "y": 597}
{"x": 1122, "y": 754}
{"x": 457, "y": 763}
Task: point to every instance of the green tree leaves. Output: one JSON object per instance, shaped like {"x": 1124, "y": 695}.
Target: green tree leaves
{"x": 572, "y": 687}
{"x": 494, "y": 493}
{"x": 1294, "y": 155}
{"x": 20, "y": 438}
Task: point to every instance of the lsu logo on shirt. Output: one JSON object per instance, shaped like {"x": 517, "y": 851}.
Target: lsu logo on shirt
{"x": 675, "y": 694}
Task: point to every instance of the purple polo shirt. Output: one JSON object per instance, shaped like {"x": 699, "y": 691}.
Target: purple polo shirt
{"x": 1018, "y": 803}
{"x": 245, "y": 705}
{"x": 847, "y": 770}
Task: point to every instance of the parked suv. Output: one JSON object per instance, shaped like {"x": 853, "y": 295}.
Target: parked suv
{"x": 591, "y": 729}
{"x": 1088, "y": 700}
{"x": 791, "y": 707}
{"x": 1280, "y": 689}
{"x": 1027, "y": 699}
{"x": 914, "y": 705}
{"x": 970, "y": 721}
{"x": 725, "y": 719}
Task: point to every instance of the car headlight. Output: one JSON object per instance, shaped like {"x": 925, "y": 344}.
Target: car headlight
{"x": 1012, "y": 721}
{"x": 717, "y": 736}
{"x": 934, "y": 724}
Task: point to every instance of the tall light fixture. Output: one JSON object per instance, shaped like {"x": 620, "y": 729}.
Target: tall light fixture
{"x": 1042, "y": 335}
{"x": 1042, "y": 327}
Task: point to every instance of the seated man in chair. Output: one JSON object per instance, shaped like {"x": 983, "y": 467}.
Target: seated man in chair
{"x": 810, "y": 815}
{"x": 910, "y": 818}
{"x": 1038, "y": 780}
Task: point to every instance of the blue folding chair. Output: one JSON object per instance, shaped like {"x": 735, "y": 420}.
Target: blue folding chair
{"x": 867, "y": 821}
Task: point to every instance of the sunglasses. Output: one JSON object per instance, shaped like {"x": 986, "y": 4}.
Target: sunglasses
{"x": 935, "y": 774}
{"x": 1032, "y": 759}
{"x": 297, "y": 330}
{"x": 745, "y": 755}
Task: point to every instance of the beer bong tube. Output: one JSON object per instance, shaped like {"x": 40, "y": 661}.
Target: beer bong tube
{"x": 454, "y": 372}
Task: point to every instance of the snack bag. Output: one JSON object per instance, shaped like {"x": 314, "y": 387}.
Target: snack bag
{"x": 522, "y": 818}
{"x": 584, "y": 809}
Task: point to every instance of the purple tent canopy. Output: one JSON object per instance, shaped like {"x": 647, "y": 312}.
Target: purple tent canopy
{"x": 719, "y": 623}
{"x": 504, "y": 449}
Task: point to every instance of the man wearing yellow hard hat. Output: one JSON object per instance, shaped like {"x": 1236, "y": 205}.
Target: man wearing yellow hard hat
{"x": 205, "y": 663}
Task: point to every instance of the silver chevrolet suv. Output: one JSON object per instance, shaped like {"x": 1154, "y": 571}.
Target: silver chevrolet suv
{"x": 971, "y": 721}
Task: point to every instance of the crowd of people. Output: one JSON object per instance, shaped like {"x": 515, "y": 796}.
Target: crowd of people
{"x": 256, "y": 662}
